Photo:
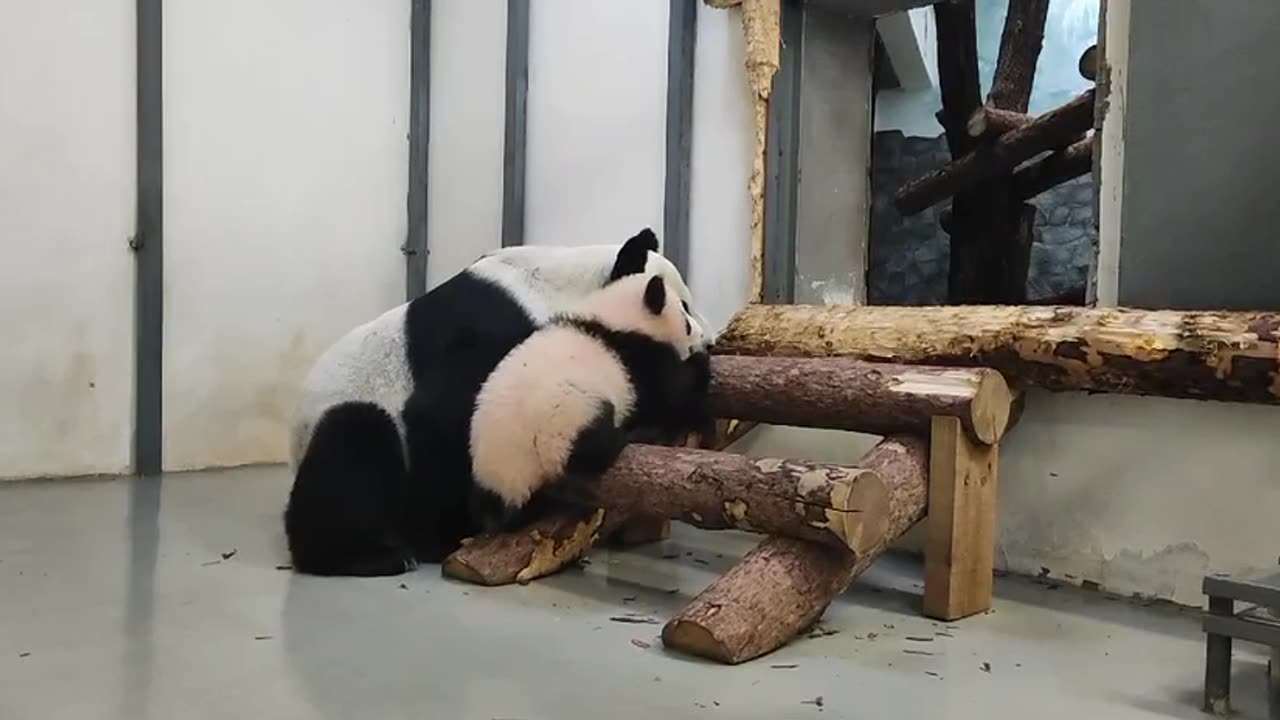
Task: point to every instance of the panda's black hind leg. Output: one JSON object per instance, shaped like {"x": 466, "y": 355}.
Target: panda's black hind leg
{"x": 345, "y": 514}
{"x": 598, "y": 445}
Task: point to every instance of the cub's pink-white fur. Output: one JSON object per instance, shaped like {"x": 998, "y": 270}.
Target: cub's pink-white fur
{"x": 540, "y": 397}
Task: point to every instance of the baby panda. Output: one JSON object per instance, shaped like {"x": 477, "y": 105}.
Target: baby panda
{"x": 560, "y": 407}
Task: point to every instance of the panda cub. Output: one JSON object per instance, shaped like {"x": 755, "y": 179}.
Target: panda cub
{"x": 560, "y": 406}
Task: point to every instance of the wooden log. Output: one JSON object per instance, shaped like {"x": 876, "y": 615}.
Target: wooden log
{"x": 561, "y": 539}
{"x": 992, "y": 122}
{"x": 1020, "y": 44}
{"x": 990, "y": 248}
{"x": 1055, "y": 128}
{"x": 1219, "y": 355}
{"x": 783, "y": 585}
{"x": 1013, "y": 256}
{"x": 647, "y": 529}
{"x": 849, "y": 394}
{"x": 959, "y": 552}
{"x": 1045, "y": 174}
{"x": 545, "y": 547}
{"x": 1053, "y": 170}
{"x": 839, "y": 506}
{"x": 957, "y": 71}
{"x": 958, "y": 81}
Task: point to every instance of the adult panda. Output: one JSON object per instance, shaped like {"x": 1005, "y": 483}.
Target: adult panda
{"x": 379, "y": 442}
{"x": 561, "y": 406}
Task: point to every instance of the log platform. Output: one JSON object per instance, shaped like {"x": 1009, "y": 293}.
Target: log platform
{"x": 932, "y": 382}
{"x": 825, "y": 524}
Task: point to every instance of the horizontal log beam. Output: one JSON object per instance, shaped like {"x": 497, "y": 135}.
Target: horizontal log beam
{"x": 782, "y": 587}
{"x": 849, "y": 394}
{"x": 1056, "y": 128}
{"x": 1054, "y": 169}
{"x": 1218, "y": 355}
{"x": 838, "y": 506}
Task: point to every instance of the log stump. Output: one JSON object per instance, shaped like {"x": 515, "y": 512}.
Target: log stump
{"x": 783, "y": 585}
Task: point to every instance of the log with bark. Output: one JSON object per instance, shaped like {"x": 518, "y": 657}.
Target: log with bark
{"x": 1054, "y": 129}
{"x": 990, "y": 240}
{"x": 782, "y": 587}
{"x": 1054, "y": 169}
{"x": 1219, "y": 355}
{"x": 564, "y": 537}
{"x": 1020, "y": 44}
{"x": 957, "y": 71}
{"x": 849, "y": 394}
{"x": 1045, "y": 174}
{"x": 818, "y": 502}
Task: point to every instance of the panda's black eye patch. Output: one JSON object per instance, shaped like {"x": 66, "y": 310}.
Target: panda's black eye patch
{"x": 687, "y": 328}
{"x": 686, "y": 305}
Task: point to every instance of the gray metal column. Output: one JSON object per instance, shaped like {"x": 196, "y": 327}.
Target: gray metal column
{"x": 782, "y": 171}
{"x": 416, "y": 249}
{"x": 513, "y": 146}
{"x": 682, "y": 37}
{"x": 148, "y": 245}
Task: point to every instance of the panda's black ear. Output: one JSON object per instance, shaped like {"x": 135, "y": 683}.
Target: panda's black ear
{"x": 634, "y": 254}
{"x": 655, "y": 295}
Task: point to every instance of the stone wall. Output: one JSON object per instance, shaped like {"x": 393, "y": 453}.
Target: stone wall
{"x": 909, "y": 256}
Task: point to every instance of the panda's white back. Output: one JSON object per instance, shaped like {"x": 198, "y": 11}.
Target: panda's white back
{"x": 368, "y": 364}
{"x": 547, "y": 280}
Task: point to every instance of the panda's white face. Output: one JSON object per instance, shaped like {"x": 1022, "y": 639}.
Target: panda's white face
{"x": 700, "y": 336}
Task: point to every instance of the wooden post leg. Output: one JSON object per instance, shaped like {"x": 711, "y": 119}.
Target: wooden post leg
{"x": 961, "y": 523}
{"x": 1217, "y": 662}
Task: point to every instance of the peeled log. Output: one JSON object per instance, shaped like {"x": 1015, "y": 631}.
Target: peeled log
{"x": 1217, "y": 355}
{"x": 849, "y": 394}
{"x": 543, "y": 548}
{"x": 782, "y": 587}
{"x": 838, "y": 506}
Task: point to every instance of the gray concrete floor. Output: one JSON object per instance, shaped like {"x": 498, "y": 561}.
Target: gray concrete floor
{"x": 162, "y": 599}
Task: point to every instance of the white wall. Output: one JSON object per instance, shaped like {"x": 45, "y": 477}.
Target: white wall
{"x": 723, "y": 141}
{"x": 286, "y": 170}
{"x": 596, "y": 120}
{"x": 66, "y": 214}
{"x": 464, "y": 188}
